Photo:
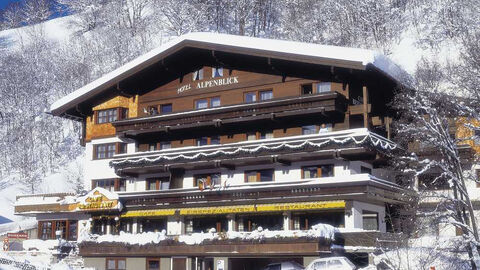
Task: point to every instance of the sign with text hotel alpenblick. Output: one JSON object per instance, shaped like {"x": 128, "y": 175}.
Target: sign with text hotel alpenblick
{"x": 207, "y": 84}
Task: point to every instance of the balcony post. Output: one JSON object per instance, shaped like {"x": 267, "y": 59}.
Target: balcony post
{"x": 231, "y": 222}
{"x": 287, "y": 216}
{"x": 135, "y": 226}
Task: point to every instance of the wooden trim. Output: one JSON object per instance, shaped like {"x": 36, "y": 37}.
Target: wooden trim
{"x": 365, "y": 107}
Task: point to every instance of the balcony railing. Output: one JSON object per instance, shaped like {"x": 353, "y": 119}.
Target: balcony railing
{"x": 359, "y": 140}
{"x": 326, "y": 103}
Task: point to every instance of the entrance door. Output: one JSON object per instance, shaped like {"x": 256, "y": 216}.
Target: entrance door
{"x": 179, "y": 263}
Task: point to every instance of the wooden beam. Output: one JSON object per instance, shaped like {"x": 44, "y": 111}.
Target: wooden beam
{"x": 365, "y": 107}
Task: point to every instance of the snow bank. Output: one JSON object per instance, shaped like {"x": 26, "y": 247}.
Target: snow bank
{"x": 40, "y": 245}
{"x": 318, "y": 231}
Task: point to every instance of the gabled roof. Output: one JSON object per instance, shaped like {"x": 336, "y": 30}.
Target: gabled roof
{"x": 288, "y": 50}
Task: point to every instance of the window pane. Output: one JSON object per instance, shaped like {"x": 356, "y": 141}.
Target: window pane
{"x": 266, "y": 95}
{"x": 251, "y": 176}
{"x": 121, "y": 264}
{"x": 201, "y": 104}
{"x": 266, "y": 135}
{"x": 165, "y": 145}
{"x": 198, "y": 74}
{"x": 307, "y": 89}
{"x": 215, "y": 140}
{"x": 111, "y": 264}
{"x": 327, "y": 170}
{"x": 370, "y": 220}
{"x": 153, "y": 265}
{"x": 250, "y": 97}
{"x": 166, "y": 108}
{"x": 111, "y": 150}
{"x": 251, "y": 136}
{"x": 310, "y": 129}
{"x": 215, "y": 101}
{"x": 217, "y": 72}
{"x": 323, "y": 87}
{"x": 153, "y": 110}
{"x": 216, "y": 179}
{"x": 266, "y": 175}
{"x": 310, "y": 172}
{"x": 165, "y": 185}
{"x": 202, "y": 141}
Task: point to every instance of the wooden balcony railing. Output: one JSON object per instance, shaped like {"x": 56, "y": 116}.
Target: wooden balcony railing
{"x": 325, "y": 103}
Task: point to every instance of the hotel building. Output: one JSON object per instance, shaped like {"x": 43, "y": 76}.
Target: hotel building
{"x": 214, "y": 134}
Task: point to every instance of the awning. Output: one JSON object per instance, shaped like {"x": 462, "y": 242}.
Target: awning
{"x": 234, "y": 209}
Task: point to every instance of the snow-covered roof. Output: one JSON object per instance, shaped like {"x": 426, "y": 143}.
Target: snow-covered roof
{"x": 296, "y": 51}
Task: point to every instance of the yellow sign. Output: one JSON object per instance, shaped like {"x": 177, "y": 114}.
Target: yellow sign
{"x": 262, "y": 208}
{"x": 148, "y": 213}
{"x": 97, "y": 201}
{"x": 237, "y": 209}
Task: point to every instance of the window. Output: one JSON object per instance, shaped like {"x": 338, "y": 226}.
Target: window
{"x": 251, "y": 136}
{"x": 106, "y": 150}
{"x": 153, "y": 264}
{"x": 152, "y": 146}
{"x": 201, "y": 104}
{"x": 162, "y": 183}
{"x": 152, "y": 110}
{"x": 259, "y": 176}
{"x": 207, "y": 180}
{"x": 217, "y": 72}
{"x": 370, "y": 220}
{"x": 317, "y": 171}
{"x": 106, "y": 116}
{"x": 250, "y": 97}
{"x": 110, "y": 184}
{"x": 307, "y": 89}
{"x": 198, "y": 74}
{"x": 116, "y": 264}
{"x": 266, "y": 135}
{"x": 215, "y": 102}
{"x": 202, "y": 141}
{"x": 165, "y": 145}
{"x": 266, "y": 95}
{"x": 215, "y": 140}
{"x": 166, "y": 108}
{"x": 47, "y": 229}
{"x": 310, "y": 129}
{"x": 122, "y": 148}
{"x": 323, "y": 87}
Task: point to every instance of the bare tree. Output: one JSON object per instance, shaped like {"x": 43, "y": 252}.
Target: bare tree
{"x": 428, "y": 117}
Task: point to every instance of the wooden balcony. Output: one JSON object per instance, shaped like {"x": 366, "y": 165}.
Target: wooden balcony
{"x": 353, "y": 144}
{"x": 327, "y": 105}
{"x": 235, "y": 248}
{"x": 354, "y": 187}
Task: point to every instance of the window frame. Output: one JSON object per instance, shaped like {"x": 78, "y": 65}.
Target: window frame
{"x": 116, "y": 262}
{"x": 150, "y": 260}
{"x": 214, "y": 71}
{"x": 111, "y": 115}
{"x": 119, "y": 149}
{"x": 319, "y": 170}
{"x": 258, "y": 175}
{"x": 68, "y": 235}
{"x": 200, "y": 74}
{"x": 158, "y": 182}
{"x": 116, "y": 184}
{"x": 208, "y": 177}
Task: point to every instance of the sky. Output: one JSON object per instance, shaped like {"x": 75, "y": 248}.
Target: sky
{"x": 4, "y": 3}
